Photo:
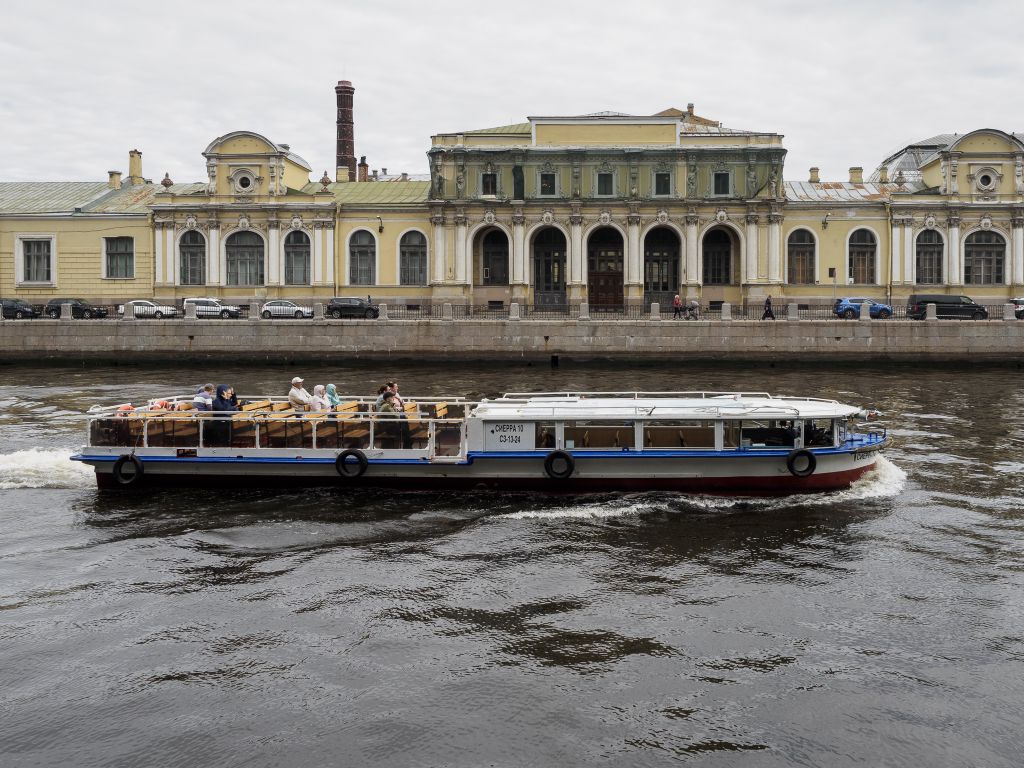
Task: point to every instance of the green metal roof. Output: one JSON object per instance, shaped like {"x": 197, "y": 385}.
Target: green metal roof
{"x": 34, "y": 197}
{"x": 376, "y": 192}
{"x": 517, "y": 128}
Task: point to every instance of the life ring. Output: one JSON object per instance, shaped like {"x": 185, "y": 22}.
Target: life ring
{"x": 559, "y": 456}
{"x": 795, "y": 456}
{"x": 122, "y": 479}
{"x": 347, "y": 470}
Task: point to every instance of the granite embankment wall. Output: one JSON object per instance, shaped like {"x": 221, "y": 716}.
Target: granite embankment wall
{"x": 287, "y": 340}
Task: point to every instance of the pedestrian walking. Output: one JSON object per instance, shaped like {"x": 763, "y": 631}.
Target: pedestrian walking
{"x": 677, "y": 307}
{"x": 768, "y": 314}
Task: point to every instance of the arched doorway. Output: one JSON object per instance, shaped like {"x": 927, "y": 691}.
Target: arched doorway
{"x": 604, "y": 268}
{"x": 548, "y": 256}
{"x": 661, "y": 266}
{"x": 490, "y": 266}
{"x": 719, "y": 263}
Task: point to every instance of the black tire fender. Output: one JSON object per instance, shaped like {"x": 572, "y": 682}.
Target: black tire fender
{"x": 347, "y": 470}
{"x": 795, "y": 456}
{"x": 126, "y": 481}
{"x": 555, "y": 473}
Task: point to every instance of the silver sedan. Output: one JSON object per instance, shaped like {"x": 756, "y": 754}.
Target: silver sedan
{"x": 145, "y": 308}
{"x": 284, "y": 308}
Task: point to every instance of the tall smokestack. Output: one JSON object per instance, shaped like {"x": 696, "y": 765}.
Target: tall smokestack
{"x": 346, "y": 161}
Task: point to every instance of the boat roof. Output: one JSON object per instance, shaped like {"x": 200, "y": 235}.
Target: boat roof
{"x": 669, "y": 405}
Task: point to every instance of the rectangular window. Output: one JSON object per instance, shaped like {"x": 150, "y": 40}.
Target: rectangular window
{"x": 38, "y": 264}
{"x": 120, "y": 257}
{"x": 547, "y": 183}
{"x": 489, "y": 184}
{"x": 361, "y": 272}
{"x": 768, "y": 433}
{"x": 721, "y": 183}
{"x": 862, "y": 266}
{"x": 670, "y": 434}
{"x": 598, "y": 435}
{"x": 662, "y": 184}
{"x": 604, "y": 184}
{"x": 413, "y": 267}
{"x": 296, "y": 268}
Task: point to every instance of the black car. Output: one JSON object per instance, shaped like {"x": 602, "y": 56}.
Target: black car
{"x": 956, "y": 307}
{"x": 80, "y": 308}
{"x": 345, "y": 306}
{"x": 17, "y": 309}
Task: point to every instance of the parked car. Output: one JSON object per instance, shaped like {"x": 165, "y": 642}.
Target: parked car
{"x": 80, "y": 308}
{"x": 284, "y": 308}
{"x": 957, "y": 307}
{"x": 147, "y": 308}
{"x": 1018, "y": 308}
{"x": 350, "y": 306}
{"x": 17, "y": 309}
{"x": 850, "y": 308}
{"x": 213, "y": 308}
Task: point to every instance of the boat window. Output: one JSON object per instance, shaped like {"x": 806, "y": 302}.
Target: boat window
{"x": 545, "y": 436}
{"x": 768, "y": 433}
{"x": 845, "y": 427}
{"x": 599, "y": 434}
{"x": 818, "y": 433}
{"x": 679, "y": 433}
{"x": 448, "y": 438}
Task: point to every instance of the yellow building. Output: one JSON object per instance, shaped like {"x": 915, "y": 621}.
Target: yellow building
{"x": 606, "y": 208}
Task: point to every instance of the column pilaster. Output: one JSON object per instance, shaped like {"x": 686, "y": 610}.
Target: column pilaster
{"x": 437, "y": 261}
{"x": 329, "y": 253}
{"x": 318, "y": 254}
{"x": 577, "y": 261}
{"x": 275, "y": 253}
{"x": 1016, "y": 276}
{"x": 750, "y": 256}
{"x": 954, "y": 273}
{"x": 461, "y": 267}
{"x": 520, "y": 285}
{"x": 908, "y": 251}
{"x": 214, "y": 275}
{"x": 634, "y": 258}
{"x": 895, "y": 250}
{"x": 691, "y": 274}
{"x": 774, "y": 248}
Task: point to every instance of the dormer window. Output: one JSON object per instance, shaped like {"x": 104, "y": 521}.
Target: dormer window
{"x": 489, "y": 184}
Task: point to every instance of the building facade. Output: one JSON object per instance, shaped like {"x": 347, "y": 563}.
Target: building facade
{"x": 607, "y": 208}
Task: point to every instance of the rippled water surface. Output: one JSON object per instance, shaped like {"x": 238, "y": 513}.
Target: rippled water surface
{"x": 882, "y": 625}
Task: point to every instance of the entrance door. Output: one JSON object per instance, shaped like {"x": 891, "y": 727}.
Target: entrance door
{"x": 604, "y": 269}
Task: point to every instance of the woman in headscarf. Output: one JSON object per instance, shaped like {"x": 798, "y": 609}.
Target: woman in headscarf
{"x": 218, "y": 429}
{"x": 333, "y": 401}
{"x": 318, "y": 402}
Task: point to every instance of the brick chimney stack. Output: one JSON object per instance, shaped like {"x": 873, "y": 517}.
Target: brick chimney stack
{"x": 364, "y": 169}
{"x": 883, "y": 175}
{"x": 114, "y": 179}
{"x": 814, "y": 176}
{"x": 135, "y": 168}
{"x": 856, "y": 175}
{"x": 346, "y": 156}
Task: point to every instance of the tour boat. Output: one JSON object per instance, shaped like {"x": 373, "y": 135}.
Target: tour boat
{"x": 728, "y": 443}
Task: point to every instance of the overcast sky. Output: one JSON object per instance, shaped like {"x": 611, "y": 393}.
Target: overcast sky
{"x": 845, "y": 82}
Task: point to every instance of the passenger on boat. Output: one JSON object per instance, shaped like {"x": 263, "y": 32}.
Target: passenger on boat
{"x": 380, "y": 396}
{"x": 217, "y": 431}
{"x": 298, "y": 396}
{"x": 333, "y": 401}
{"x": 389, "y": 431}
{"x": 203, "y": 401}
{"x": 318, "y": 402}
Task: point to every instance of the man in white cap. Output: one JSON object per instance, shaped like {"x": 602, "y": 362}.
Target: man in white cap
{"x": 298, "y": 396}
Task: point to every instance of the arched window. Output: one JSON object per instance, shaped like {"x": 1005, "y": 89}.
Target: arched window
{"x": 717, "y": 258}
{"x": 495, "y": 258}
{"x": 362, "y": 253}
{"x": 661, "y": 265}
{"x": 863, "y": 247}
{"x": 549, "y": 267}
{"x": 245, "y": 259}
{"x": 192, "y": 252}
{"x": 984, "y": 254}
{"x": 800, "y": 256}
{"x": 296, "y": 258}
{"x": 412, "y": 268}
{"x": 929, "y": 257}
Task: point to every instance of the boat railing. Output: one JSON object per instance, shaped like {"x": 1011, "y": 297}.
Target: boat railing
{"x": 637, "y": 395}
{"x": 432, "y": 428}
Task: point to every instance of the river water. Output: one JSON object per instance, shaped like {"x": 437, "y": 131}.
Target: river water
{"x": 878, "y": 626}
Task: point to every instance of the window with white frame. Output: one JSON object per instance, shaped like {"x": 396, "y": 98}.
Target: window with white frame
{"x": 929, "y": 258}
{"x": 245, "y": 258}
{"x": 37, "y": 260}
{"x": 413, "y": 259}
{"x": 362, "y": 254}
{"x": 984, "y": 257}
{"x": 296, "y": 258}
{"x": 662, "y": 183}
{"x": 192, "y": 250}
{"x": 863, "y": 248}
{"x": 800, "y": 255}
{"x": 119, "y": 257}
{"x": 548, "y": 185}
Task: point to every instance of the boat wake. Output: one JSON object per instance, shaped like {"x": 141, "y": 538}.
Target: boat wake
{"x": 884, "y": 481}
{"x": 37, "y": 468}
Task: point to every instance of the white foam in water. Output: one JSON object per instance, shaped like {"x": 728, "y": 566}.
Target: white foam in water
{"x": 886, "y": 479}
{"x": 37, "y": 468}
